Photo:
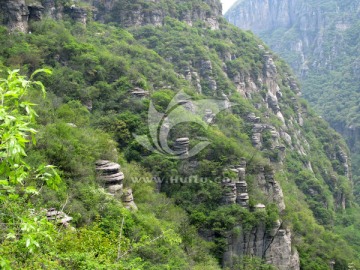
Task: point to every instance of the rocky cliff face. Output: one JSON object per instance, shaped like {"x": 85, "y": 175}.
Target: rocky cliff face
{"x": 304, "y": 26}
{"x": 17, "y": 14}
{"x": 273, "y": 94}
{"x": 14, "y": 14}
{"x": 262, "y": 15}
{"x": 318, "y": 40}
{"x": 139, "y": 13}
{"x": 272, "y": 243}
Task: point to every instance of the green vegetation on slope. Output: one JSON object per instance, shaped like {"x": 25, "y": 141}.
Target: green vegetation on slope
{"x": 324, "y": 54}
{"x": 95, "y": 67}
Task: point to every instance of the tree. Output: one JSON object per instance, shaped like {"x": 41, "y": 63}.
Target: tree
{"x": 22, "y": 227}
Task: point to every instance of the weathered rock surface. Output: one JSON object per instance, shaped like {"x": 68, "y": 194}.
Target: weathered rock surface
{"x": 154, "y": 12}
{"x": 139, "y": 92}
{"x": 229, "y": 191}
{"x": 181, "y": 146}
{"x": 209, "y": 117}
{"x": 16, "y": 14}
{"x": 236, "y": 190}
{"x": 271, "y": 244}
{"x": 58, "y": 217}
{"x": 112, "y": 178}
{"x": 110, "y": 175}
{"x": 267, "y": 183}
{"x": 128, "y": 199}
{"x": 76, "y": 13}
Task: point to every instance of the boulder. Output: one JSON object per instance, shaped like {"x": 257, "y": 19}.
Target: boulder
{"x": 58, "y": 217}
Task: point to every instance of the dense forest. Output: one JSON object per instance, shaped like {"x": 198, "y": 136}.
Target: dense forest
{"x": 272, "y": 189}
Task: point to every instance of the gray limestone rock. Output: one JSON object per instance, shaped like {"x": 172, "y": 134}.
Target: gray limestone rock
{"x": 128, "y": 199}
{"x": 110, "y": 175}
{"x": 15, "y": 15}
{"x": 229, "y": 192}
{"x": 58, "y": 217}
{"x": 181, "y": 146}
{"x": 139, "y": 92}
{"x": 35, "y": 12}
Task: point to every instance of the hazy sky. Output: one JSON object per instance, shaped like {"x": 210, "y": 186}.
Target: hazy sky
{"x": 227, "y": 4}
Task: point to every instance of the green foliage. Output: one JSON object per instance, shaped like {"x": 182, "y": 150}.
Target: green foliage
{"x": 22, "y": 230}
{"x": 90, "y": 114}
{"x": 17, "y": 116}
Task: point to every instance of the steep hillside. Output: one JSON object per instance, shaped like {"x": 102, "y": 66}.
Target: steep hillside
{"x": 319, "y": 40}
{"x": 229, "y": 167}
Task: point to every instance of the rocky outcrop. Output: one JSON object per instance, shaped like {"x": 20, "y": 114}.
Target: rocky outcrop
{"x": 128, "y": 199}
{"x": 139, "y": 92}
{"x": 78, "y": 14}
{"x": 59, "y": 217}
{"x": 14, "y": 14}
{"x": 266, "y": 182}
{"x": 35, "y": 12}
{"x": 280, "y": 252}
{"x": 154, "y": 12}
{"x": 110, "y": 176}
{"x": 181, "y": 146}
{"x": 206, "y": 72}
{"x": 235, "y": 189}
{"x": 209, "y": 116}
{"x": 209, "y": 17}
{"x": 52, "y": 9}
{"x": 273, "y": 244}
{"x": 229, "y": 191}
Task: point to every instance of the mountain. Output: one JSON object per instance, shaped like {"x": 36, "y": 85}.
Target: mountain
{"x": 319, "y": 40}
{"x": 182, "y": 143}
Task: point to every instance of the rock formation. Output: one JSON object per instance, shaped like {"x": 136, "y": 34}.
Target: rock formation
{"x": 128, "y": 199}
{"x": 209, "y": 117}
{"x": 229, "y": 191}
{"x": 58, "y": 217}
{"x": 154, "y": 13}
{"x": 181, "y": 146}
{"x": 14, "y": 14}
{"x": 112, "y": 178}
{"x": 272, "y": 244}
{"x": 139, "y": 92}
{"x": 235, "y": 190}
{"x": 110, "y": 175}
{"x": 76, "y": 13}
{"x": 17, "y": 14}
